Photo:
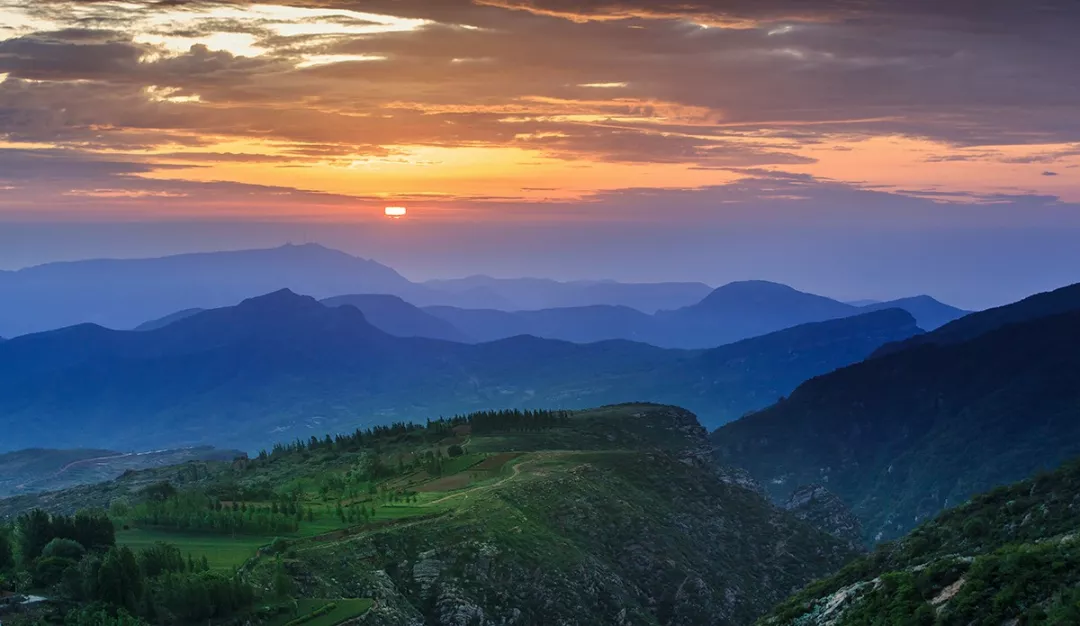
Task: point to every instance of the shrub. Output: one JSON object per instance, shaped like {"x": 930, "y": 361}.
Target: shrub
{"x": 455, "y": 450}
{"x": 64, "y": 549}
{"x": 976, "y": 528}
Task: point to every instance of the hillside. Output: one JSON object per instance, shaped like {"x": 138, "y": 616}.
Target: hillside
{"x": 1010, "y": 556}
{"x": 902, "y": 436}
{"x": 747, "y": 309}
{"x": 610, "y": 515}
{"x": 752, "y": 308}
{"x": 525, "y": 294}
{"x": 1040, "y": 305}
{"x": 275, "y": 366}
{"x": 585, "y": 324}
{"x": 728, "y": 382}
{"x": 283, "y": 366}
{"x": 397, "y": 317}
{"x": 162, "y": 322}
{"x": 928, "y": 312}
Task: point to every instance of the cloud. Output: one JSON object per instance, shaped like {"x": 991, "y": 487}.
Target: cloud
{"x": 706, "y": 84}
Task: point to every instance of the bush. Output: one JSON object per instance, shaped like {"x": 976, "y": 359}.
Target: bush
{"x": 64, "y": 549}
{"x": 976, "y": 528}
{"x": 49, "y": 570}
{"x": 455, "y": 450}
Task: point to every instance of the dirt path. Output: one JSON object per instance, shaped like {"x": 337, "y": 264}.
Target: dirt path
{"x": 516, "y": 472}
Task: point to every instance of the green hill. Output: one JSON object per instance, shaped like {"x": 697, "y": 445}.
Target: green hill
{"x": 902, "y": 436}
{"x": 606, "y": 516}
{"x": 1010, "y": 556}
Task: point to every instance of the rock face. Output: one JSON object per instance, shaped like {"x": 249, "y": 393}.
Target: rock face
{"x": 825, "y": 511}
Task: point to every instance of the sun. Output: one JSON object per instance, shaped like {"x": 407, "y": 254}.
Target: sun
{"x": 395, "y": 212}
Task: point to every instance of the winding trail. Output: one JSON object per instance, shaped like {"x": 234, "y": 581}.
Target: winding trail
{"x": 517, "y": 471}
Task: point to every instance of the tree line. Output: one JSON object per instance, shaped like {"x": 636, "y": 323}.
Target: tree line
{"x": 75, "y": 559}
{"x": 196, "y": 511}
{"x": 433, "y": 430}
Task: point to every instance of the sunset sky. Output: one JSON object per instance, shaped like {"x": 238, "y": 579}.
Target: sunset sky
{"x": 937, "y": 141}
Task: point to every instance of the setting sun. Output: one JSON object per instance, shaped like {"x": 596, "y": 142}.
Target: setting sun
{"x": 395, "y": 211}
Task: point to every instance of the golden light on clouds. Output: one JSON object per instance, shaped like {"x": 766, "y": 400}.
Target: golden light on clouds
{"x": 328, "y": 59}
{"x": 507, "y": 101}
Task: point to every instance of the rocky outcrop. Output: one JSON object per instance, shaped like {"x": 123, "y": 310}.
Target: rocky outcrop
{"x": 824, "y": 510}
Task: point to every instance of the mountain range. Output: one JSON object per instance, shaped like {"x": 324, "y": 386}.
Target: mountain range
{"x": 123, "y": 293}
{"x": 281, "y": 365}
{"x": 983, "y": 401}
{"x": 530, "y": 294}
{"x": 148, "y": 293}
{"x": 731, "y": 313}
{"x": 728, "y": 314}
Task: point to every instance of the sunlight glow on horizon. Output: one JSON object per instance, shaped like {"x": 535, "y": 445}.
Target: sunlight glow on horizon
{"x": 498, "y": 105}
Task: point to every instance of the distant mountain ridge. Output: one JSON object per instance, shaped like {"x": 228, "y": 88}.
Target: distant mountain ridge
{"x": 728, "y": 314}
{"x": 397, "y": 317}
{"x": 532, "y": 294}
{"x": 916, "y": 429}
{"x": 126, "y": 293}
{"x": 147, "y": 293}
{"x": 38, "y": 470}
{"x": 1046, "y": 304}
{"x": 276, "y": 366}
{"x": 747, "y": 309}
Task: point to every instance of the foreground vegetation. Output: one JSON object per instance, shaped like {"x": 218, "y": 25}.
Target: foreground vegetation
{"x": 1011, "y": 556}
{"x": 504, "y": 517}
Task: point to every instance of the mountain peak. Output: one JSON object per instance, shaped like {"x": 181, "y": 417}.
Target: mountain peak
{"x": 757, "y": 291}
{"x": 754, "y": 285}
{"x": 281, "y": 298}
{"x": 761, "y": 297}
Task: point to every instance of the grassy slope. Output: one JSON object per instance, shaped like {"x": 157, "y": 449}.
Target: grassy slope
{"x": 631, "y": 523}
{"x": 617, "y": 515}
{"x": 1010, "y": 554}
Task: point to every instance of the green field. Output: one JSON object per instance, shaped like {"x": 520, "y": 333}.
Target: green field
{"x": 231, "y": 551}
{"x": 346, "y": 610}
{"x": 221, "y": 551}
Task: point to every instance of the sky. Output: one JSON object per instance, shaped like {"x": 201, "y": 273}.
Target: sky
{"x": 859, "y": 148}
